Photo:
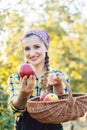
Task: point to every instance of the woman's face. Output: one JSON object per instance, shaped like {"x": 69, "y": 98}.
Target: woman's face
{"x": 34, "y": 49}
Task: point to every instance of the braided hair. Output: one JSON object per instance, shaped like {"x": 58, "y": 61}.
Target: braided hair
{"x": 44, "y": 78}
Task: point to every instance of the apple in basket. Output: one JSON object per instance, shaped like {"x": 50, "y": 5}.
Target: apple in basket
{"x": 26, "y": 69}
{"x": 42, "y": 96}
{"x": 51, "y": 97}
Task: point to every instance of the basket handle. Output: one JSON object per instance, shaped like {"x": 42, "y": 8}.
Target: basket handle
{"x": 70, "y": 97}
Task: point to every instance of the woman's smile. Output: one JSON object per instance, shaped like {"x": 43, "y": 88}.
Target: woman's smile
{"x": 34, "y": 58}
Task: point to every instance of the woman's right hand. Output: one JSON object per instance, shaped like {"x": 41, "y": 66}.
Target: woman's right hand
{"x": 26, "y": 89}
{"x": 26, "y": 86}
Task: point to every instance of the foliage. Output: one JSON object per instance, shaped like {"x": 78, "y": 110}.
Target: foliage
{"x": 6, "y": 117}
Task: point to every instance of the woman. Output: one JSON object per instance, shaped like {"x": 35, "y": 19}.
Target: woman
{"x": 35, "y": 44}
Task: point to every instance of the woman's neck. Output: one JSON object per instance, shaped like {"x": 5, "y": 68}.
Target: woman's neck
{"x": 39, "y": 70}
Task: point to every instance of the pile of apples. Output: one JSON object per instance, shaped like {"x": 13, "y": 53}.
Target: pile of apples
{"x": 46, "y": 96}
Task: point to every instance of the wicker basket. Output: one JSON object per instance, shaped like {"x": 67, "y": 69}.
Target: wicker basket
{"x": 70, "y": 107}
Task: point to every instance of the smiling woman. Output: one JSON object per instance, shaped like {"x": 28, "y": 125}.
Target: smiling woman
{"x": 35, "y": 45}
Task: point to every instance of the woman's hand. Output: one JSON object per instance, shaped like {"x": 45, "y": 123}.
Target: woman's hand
{"x": 54, "y": 79}
{"x": 26, "y": 89}
{"x": 26, "y": 86}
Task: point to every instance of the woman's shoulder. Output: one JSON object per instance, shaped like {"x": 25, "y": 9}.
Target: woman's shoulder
{"x": 64, "y": 74}
{"x": 14, "y": 77}
{"x": 58, "y": 71}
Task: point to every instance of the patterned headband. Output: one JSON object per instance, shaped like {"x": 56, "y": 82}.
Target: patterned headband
{"x": 41, "y": 33}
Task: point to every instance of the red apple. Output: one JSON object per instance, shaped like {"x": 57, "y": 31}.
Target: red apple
{"x": 26, "y": 69}
{"x": 51, "y": 97}
{"x": 42, "y": 96}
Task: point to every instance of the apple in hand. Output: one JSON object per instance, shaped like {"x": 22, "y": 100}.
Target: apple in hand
{"x": 51, "y": 97}
{"x": 26, "y": 69}
{"x": 42, "y": 96}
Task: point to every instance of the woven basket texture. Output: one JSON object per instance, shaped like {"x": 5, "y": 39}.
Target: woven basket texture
{"x": 68, "y": 107}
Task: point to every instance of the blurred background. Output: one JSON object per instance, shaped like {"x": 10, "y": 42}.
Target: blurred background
{"x": 66, "y": 23}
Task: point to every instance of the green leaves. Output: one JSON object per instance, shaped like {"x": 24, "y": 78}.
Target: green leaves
{"x": 6, "y": 116}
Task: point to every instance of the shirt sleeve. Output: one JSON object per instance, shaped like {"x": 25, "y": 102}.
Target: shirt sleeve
{"x": 67, "y": 78}
{"x": 13, "y": 83}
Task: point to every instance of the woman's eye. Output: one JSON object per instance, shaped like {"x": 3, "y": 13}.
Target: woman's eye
{"x": 37, "y": 47}
{"x": 27, "y": 48}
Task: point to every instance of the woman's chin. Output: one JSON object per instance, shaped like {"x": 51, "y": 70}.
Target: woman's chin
{"x": 34, "y": 62}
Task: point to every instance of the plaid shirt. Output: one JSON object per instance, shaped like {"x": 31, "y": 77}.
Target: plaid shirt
{"x": 14, "y": 83}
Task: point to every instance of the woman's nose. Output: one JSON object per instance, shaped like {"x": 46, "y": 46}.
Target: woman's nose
{"x": 32, "y": 53}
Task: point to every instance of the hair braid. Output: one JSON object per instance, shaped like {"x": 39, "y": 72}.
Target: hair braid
{"x": 44, "y": 78}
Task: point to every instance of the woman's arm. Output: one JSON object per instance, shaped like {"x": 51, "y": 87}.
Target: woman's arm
{"x": 56, "y": 80}
{"x": 19, "y": 92}
{"x": 62, "y": 82}
{"x": 58, "y": 89}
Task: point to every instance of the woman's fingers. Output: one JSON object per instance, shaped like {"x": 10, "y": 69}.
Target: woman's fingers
{"x": 27, "y": 83}
{"x": 30, "y": 83}
{"x": 23, "y": 81}
{"x": 54, "y": 78}
{"x": 30, "y": 80}
{"x": 51, "y": 79}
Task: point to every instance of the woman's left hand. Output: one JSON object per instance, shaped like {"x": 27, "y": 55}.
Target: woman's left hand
{"x": 54, "y": 79}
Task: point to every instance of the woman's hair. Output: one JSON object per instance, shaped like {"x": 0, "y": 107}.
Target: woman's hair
{"x": 44, "y": 78}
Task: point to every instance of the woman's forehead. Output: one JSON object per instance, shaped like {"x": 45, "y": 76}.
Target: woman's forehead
{"x": 32, "y": 40}
{"x": 42, "y": 34}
